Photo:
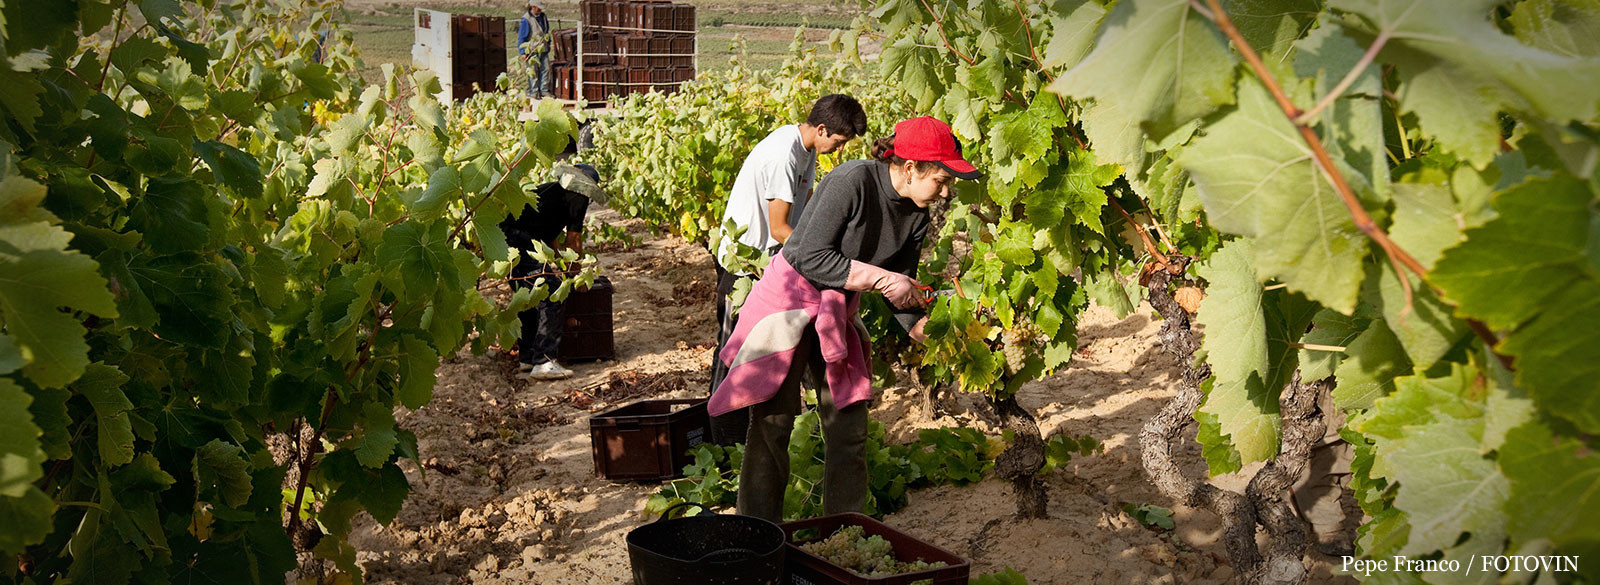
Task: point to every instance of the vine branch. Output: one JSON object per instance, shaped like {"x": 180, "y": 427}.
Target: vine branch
{"x": 1358, "y": 214}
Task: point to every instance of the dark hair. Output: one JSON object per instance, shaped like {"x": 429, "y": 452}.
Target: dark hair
{"x": 842, "y": 114}
{"x": 881, "y": 152}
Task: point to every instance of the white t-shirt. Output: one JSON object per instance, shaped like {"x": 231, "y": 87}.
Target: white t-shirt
{"x": 779, "y": 167}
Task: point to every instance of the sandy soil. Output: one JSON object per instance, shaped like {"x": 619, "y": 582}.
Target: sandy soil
{"x": 507, "y": 492}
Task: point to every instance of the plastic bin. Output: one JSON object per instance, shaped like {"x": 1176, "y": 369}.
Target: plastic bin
{"x": 808, "y": 569}
{"x": 647, "y": 441}
{"x": 709, "y": 549}
{"x": 589, "y": 334}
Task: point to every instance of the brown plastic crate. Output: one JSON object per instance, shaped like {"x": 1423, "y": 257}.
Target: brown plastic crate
{"x": 683, "y": 17}
{"x": 593, "y": 11}
{"x": 599, "y": 48}
{"x": 564, "y": 45}
{"x": 647, "y": 441}
{"x": 655, "y": 15}
{"x": 614, "y": 15}
{"x": 806, "y": 568}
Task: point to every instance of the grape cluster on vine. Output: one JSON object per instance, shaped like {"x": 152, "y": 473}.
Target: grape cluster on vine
{"x": 869, "y": 556}
{"x": 1016, "y": 341}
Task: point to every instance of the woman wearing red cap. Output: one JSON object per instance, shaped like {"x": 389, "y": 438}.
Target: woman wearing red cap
{"x": 863, "y": 231}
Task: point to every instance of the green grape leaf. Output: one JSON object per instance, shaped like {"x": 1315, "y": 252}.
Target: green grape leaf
{"x": 1424, "y": 328}
{"x": 317, "y": 80}
{"x": 1456, "y": 88}
{"x": 379, "y": 439}
{"x": 913, "y": 69}
{"x": 20, "y": 454}
{"x": 417, "y": 255}
{"x": 1367, "y": 373}
{"x": 49, "y": 411}
{"x": 192, "y": 297}
{"x": 417, "y": 367}
{"x": 1353, "y": 124}
{"x": 1185, "y": 71}
{"x": 1570, "y": 28}
{"x": 1015, "y": 249}
{"x": 1257, "y": 178}
{"x": 1426, "y": 222}
{"x": 11, "y": 358}
{"x": 1272, "y": 26}
{"x": 1332, "y": 330}
{"x": 444, "y": 186}
{"x": 385, "y": 493}
{"x": 1558, "y": 355}
{"x": 38, "y": 275}
{"x": 1108, "y": 291}
{"x": 551, "y": 133}
{"x": 156, "y": 10}
{"x": 1419, "y": 400}
{"x": 268, "y": 274}
{"x": 1019, "y": 135}
{"x": 20, "y": 93}
{"x": 221, "y": 465}
{"x": 102, "y": 385}
{"x": 226, "y": 376}
{"x": 1536, "y": 247}
{"x": 1072, "y": 26}
{"x": 1447, "y": 487}
{"x": 1245, "y": 408}
{"x": 105, "y": 561}
{"x": 1555, "y": 489}
{"x": 25, "y": 521}
{"x": 1220, "y": 455}
{"x": 173, "y": 216}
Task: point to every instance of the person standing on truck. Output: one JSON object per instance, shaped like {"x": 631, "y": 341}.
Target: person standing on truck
{"x": 768, "y": 197}
{"x": 533, "y": 44}
{"x": 862, "y": 232}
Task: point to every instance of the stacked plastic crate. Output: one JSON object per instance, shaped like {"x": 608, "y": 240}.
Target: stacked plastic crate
{"x": 628, "y": 47}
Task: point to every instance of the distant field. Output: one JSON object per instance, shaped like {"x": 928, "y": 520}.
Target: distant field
{"x": 383, "y": 29}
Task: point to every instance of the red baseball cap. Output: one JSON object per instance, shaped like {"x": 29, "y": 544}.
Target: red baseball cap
{"x": 928, "y": 139}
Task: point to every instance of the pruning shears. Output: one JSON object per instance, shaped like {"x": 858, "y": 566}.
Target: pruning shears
{"x": 929, "y": 294}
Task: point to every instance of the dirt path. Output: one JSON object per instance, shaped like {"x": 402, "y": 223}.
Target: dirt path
{"x": 507, "y": 492}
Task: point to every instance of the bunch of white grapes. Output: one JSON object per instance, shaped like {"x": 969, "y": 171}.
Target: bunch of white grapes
{"x": 868, "y": 556}
{"x": 1014, "y": 343}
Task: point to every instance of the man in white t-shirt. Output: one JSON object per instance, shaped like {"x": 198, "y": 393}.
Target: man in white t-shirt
{"x": 767, "y": 199}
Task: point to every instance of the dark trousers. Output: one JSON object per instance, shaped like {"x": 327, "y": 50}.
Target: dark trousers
{"x": 764, "y": 474}
{"x": 730, "y": 428}
{"x": 543, "y": 324}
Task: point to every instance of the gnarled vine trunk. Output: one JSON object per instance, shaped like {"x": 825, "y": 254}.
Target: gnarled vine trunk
{"x": 1023, "y": 459}
{"x": 1266, "y": 500}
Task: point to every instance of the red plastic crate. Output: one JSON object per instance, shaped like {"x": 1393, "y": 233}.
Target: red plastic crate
{"x": 808, "y": 569}
{"x": 648, "y": 441}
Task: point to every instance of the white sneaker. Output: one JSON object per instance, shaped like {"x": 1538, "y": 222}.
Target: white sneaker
{"x": 549, "y": 371}
{"x": 524, "y": 367}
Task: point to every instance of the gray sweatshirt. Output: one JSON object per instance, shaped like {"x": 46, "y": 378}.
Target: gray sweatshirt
{"x": 857, "y": 215}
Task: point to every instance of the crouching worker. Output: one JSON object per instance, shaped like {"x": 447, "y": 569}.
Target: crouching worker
{"x": 557, "y": 222}
{"x": 862, "y": 231}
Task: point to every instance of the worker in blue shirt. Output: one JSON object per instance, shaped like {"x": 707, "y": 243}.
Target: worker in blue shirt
{"x": 533, "y": 44}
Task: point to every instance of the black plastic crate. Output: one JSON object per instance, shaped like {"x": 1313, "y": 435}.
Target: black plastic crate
{"x": 648, "y": 440}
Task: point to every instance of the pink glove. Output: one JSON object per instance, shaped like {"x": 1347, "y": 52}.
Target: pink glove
{"x": 901, "y": 290}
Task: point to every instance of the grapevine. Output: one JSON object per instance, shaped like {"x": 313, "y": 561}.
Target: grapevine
{"x": 227, "y": 261}
{"x": 1306, "y": 181}
{"x": 1339, "y": 207}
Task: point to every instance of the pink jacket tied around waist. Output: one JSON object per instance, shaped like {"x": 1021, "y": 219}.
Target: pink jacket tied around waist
{"x": 771, "y": 324}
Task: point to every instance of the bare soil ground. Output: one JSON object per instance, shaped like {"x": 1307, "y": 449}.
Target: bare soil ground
{"x": 506, "y": 492}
